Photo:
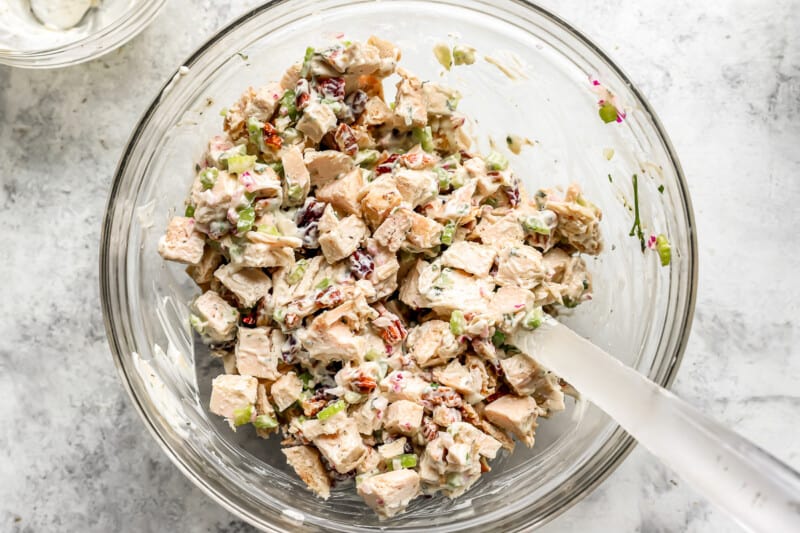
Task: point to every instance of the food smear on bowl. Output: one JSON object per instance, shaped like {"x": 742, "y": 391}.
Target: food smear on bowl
{"x": 361, "y": 269}
{"x": 61, "y": 14}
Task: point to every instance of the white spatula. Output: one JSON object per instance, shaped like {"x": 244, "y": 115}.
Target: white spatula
{"x": 759, "y": 491}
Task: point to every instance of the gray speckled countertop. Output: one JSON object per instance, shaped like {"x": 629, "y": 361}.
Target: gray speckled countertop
{"x": 74, "y": 456}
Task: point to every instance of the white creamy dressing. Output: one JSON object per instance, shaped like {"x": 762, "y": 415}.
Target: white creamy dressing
{"x": 61, "y": 14}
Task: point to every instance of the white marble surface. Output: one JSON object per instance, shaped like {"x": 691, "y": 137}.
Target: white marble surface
{"x": 725, "y": 80}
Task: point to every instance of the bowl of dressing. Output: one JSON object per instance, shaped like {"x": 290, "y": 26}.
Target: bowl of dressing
{"x": 60, "y": 33}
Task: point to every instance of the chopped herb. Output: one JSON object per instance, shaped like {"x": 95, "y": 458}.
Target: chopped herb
{"x": 189, "y": 213}
{"x": 610, "y": 179}
{"x": 448, "y": 233}
{"x": 243, "y": 56}
{"x": 569, "y": 303}
{"x": 457, "y": 323}
{"x": 332, "y": 409}
{"x": 306, "y": 378}
{"x": 243, "y": 416}
{"x": 636, "y": 229}
{"x": 661, "y": 189}
{"x": 499, "y": 338}
{"x": 664, "y": 249}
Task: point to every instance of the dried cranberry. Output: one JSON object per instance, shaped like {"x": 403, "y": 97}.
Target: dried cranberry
{"x": 357, "y": 102}
{"x": 302, "y": 94}
{"x": 386, "y": 166}
{"x": 346, "y": 140}
{"x": 310, "y": 212}
{"x": 361, "y": 263}
{"x": 271, "y": 137}
{"x": 249, "y": 319}
{"x": 332, "y": 88}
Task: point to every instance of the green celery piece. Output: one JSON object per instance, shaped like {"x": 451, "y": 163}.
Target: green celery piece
{"x": 208, "y": 177}
{"x": 496, "y": 161}
{"x": 299, "y": 271}
{"x": 448, "y": 233}
{"x": 332, "y": 409}
{"x": 664, "y": 249}
{"x": 324, "y": 284}
{"x": 265, "y": 422}
{"x": 243, "y": 415}
{"x": 608, "y": 112}
{"x": 246, "y": 218}
{"x": 457, "y": 322}
{"x": 241, "y": 163}
{"x": 534, "y": 224}
{"x": 424, "y": 137}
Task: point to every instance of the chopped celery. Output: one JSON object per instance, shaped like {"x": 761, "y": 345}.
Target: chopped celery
{"x": 277, "y": 167}
{"x": 208, "y": 177}
{"x": 353, "y": 397}
{"x": 496, "y": 161}
{"x": 448, "y": 233}
{"x": 444, "y": 178}
{"x": 458, "y": 178}
{"x": 455, "y": 480}
{"x": 457, "y": 322}
{"x": 451, "y": 161}
{"x": 499, "y": 338}
{"x": 533, "y": 319}
{"x": 279, "y": 314}
{"x": 534, "y": 224}
{"x": 608, "y": 112}
{"x": 265, "y": 422}
{"x": 299, "y": 271}
{"x": 332, "y": 409}
{"x": 223, "y": 112}
{"x": 246, "y": 218}
{"x": 307, "y": 62}
{"x": 463, "y": 54}
{"x": 366, "y": 158}
{"x": 239, "y": 149}
{"x": 324, "y": 284}
{"x": 424, "y": 137}
{"x": 189, "y": 213}
{"x": 295, "y": 193}
{"x": 664, "y": 249}
{"x": 241, "y": 163}
{"x": 372, "y": 355}
{"x": 288, "y": 100}
{"x": 254, "y": 125}
{"x": 269, "y": 230}
{"x": 406, "y": 460}
{"x": 197, "y": 323}
{"x": 243, "y": 416}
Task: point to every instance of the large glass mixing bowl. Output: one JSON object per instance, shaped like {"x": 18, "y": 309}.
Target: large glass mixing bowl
{"x": 641, "y": 311}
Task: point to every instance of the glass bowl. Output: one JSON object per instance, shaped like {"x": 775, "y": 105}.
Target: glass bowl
{"x": 25, "y": 42}
{"x": 641, "y": 311}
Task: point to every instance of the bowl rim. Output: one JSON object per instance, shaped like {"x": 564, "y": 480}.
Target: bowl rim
{"x": 132, "y": 22}
{"x": 684, "y": 323}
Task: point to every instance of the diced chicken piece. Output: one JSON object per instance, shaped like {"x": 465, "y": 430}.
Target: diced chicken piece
{"x": 260, "y": 104}
{"x": 331, "y": 336}
{"x": 462, "y": 379}
{"x": 182, "y": 242}
{"x": 463, "y": 432}
{"x": 447, "y": 290}
{"x": 432, "y": 343}
{"x": 215, "y": 319}
{"x": 440, "y": 101}
{"x": 460, "y": 206}
{"x": 317, "y": 120}
{"x": 410, "y": 101}
{"x": 572, "y": 282}
{"x": 343, "y": 240}
{"x": 424, "y": 234}
{"x": 471, "y": 257}
{"x": 291, "y": 76}
{"x": 508, "y": 307}
{"x": 520, "y": 265}
{"x": 369, "y": 415}
{"x": 403, "y": 417}
{"x": 409, "y": 288}
{"x": 262, "y": 184}
{"x": 393, "y": 231}
{"x": 403, "y": 385}
{"x": 376, "y": 112}
{"x": 344, "y": 450}
{"x": 229, "y": 393}
{"x": 263, "y": 407}
{"x": 389, "y": 55}
{"x": 500, "y": 232}
{"x": 255, "y": 355}
{"x": 527, "y": 377}
{"x": 263, "y": 255}
{"x": 393, "y": 449}
{"x": 218, "y": 146}
{"x": 344, "y": 194}
{"x": 306, "y": 463}
{"x": 578, "y": 221}
{"x": 356, "y": 58}
{"x": 249, "y": 285}
{"x": 417, "y": 187}
{"x": 380, "y": 198}
{"x": 212, "y": 204}
{"x": 517, "y": 414}
{"x": 298, "y": 179}
{"x": 370, "y": 462}
{"x": 203, "y": 272}
{"x": 390, "y": 493}
{"x": 327, "y": 165}
{"x": 286, "y": 390}
{"x": 445, "y": 416}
